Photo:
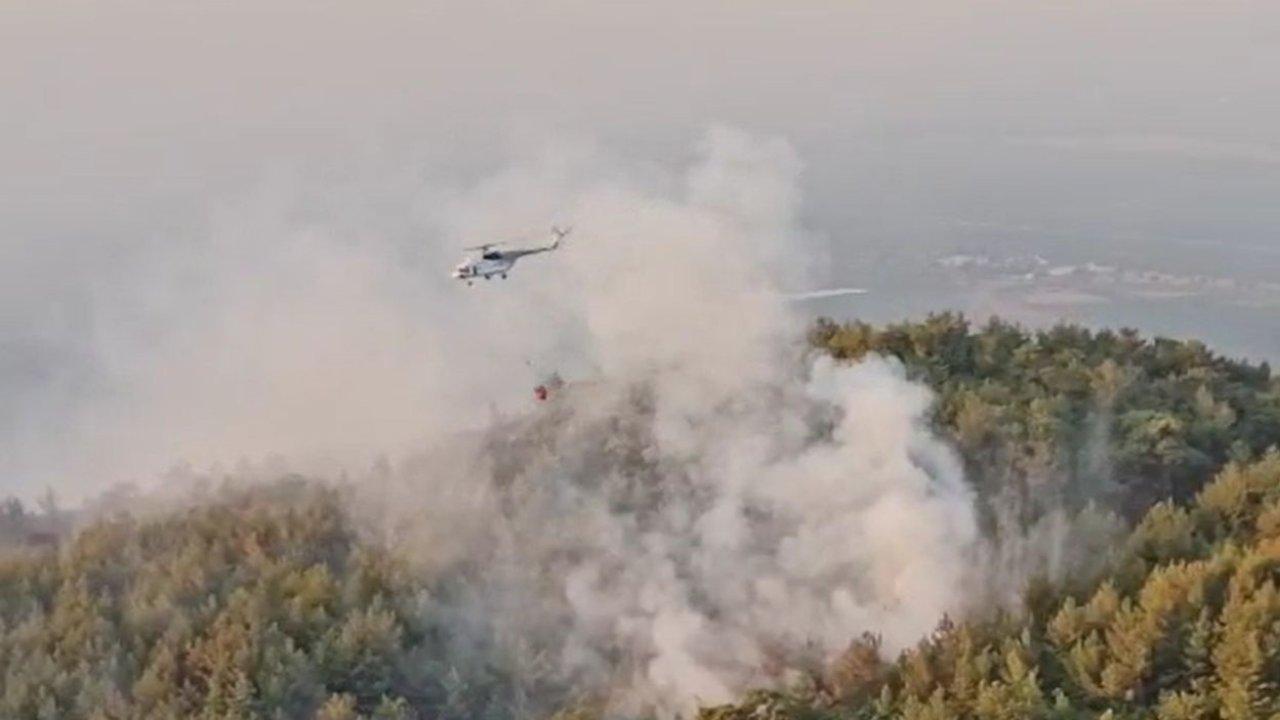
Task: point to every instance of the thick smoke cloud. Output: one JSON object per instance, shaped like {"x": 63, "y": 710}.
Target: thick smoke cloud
{"x": 664, "y": 571}
{"x": 703, "y": 508}
{"x": 700, "y": 508}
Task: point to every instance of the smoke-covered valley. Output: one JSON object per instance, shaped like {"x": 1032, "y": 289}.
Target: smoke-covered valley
{"x": 703, "y": 504}
{"x": 721, "y": 496}
{"x": 664, "y": 549}
{"x": 260, "y": 456}
{"x": 706, "y": 506}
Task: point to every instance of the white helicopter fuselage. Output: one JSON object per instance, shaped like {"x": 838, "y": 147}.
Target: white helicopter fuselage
{"x": 492, "y": 261}
{"x": 482, "y": 268}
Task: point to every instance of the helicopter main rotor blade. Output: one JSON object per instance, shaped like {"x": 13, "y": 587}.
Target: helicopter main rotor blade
{"x": 829, "y": 293}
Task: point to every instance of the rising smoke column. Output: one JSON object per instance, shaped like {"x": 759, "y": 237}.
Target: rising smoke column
{"x": 702, "y": 506}
{"x": 708, "y": 504}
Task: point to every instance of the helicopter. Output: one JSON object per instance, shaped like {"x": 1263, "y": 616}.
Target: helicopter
{"x": 494, "y": 260}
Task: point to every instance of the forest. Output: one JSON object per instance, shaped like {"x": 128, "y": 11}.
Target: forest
{"x": 268, "y": 600}
{"x": 1185, "y": 624}
{"x": 1068, "y": 415}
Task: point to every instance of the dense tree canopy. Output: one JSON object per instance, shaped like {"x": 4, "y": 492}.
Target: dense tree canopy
{"x": 262, "y": 603}
{"x": 1186, "y": 625}
{"x": 267, "y": 602}
{"x": 1066, "y": 415}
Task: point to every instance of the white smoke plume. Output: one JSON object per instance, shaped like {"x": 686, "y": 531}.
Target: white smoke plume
{"x": 702, "y": 506}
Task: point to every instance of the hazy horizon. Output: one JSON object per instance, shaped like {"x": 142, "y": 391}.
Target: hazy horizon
{"x": 165, "y": 166}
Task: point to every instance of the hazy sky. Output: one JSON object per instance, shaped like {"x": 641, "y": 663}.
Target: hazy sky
{"x": 1139, "y": 134}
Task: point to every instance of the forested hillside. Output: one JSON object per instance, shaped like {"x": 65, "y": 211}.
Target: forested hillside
{"x": 272, "y": 601}
{"x": 1187, "y": 625}
{"x": 259, "y": 603}
{"x": 1067, "y": 415}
